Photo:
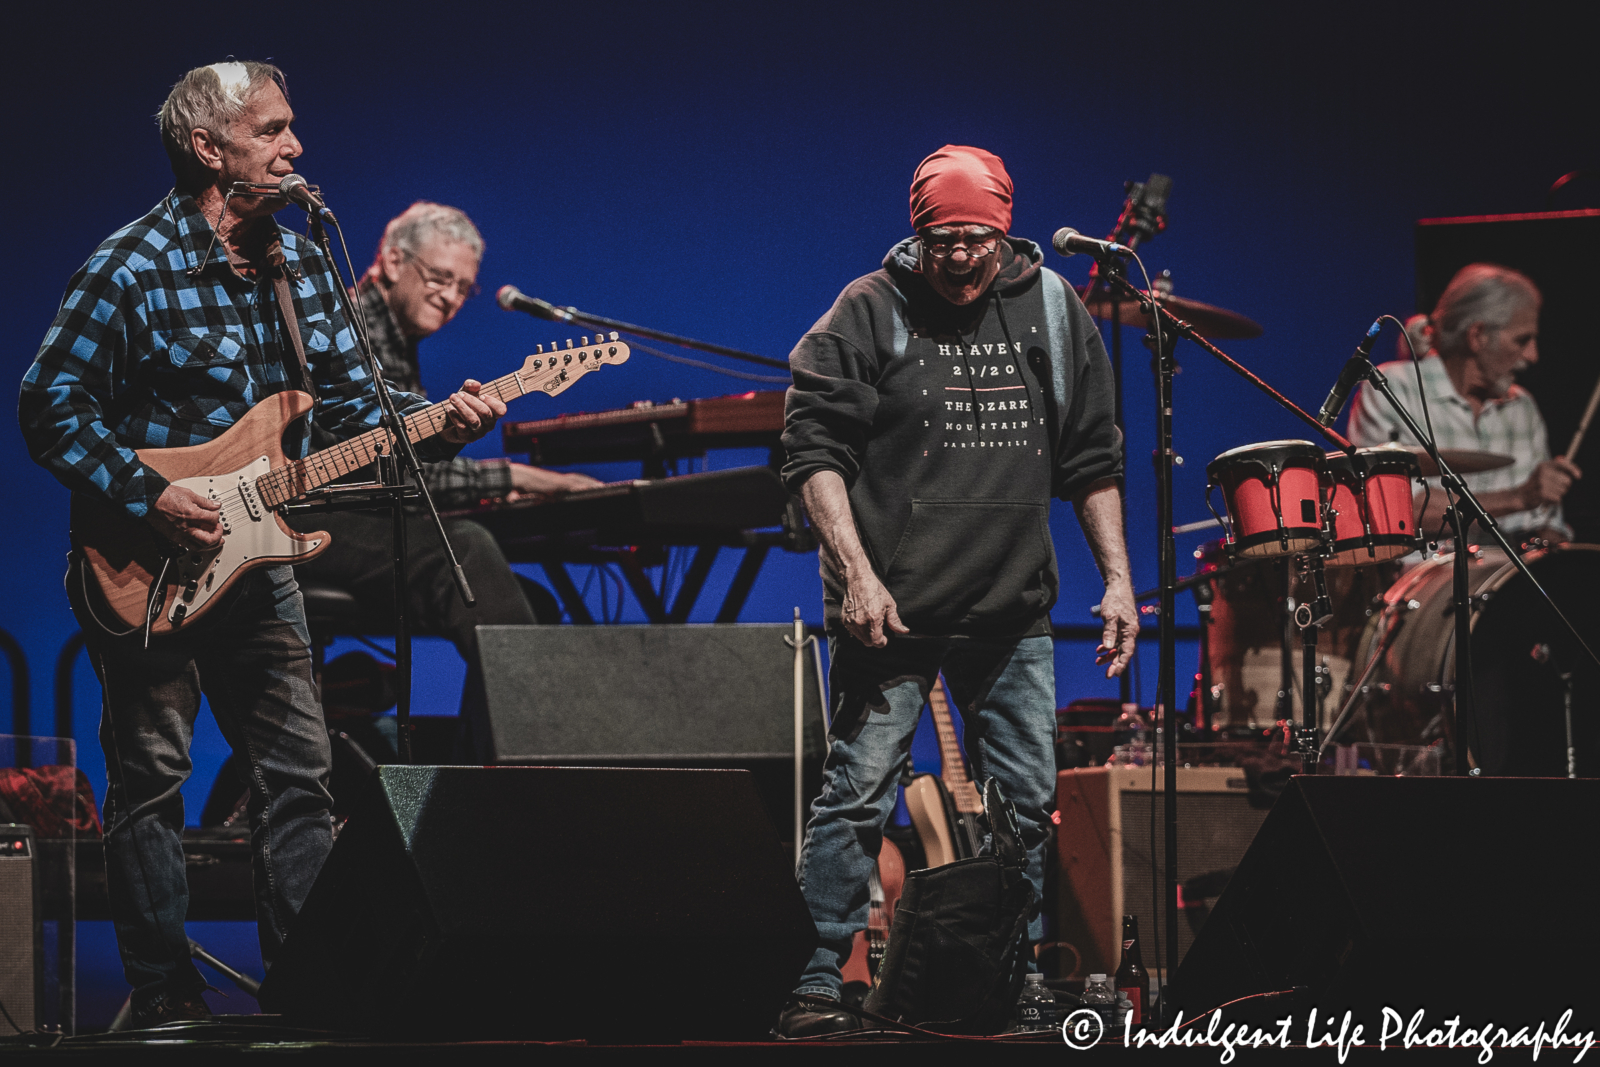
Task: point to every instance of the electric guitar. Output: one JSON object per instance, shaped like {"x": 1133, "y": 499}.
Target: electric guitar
{"x": 945, "y": 807}
{"x": 142, "y": 576}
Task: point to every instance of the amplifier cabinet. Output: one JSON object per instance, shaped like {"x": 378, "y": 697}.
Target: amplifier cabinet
{"x": 21, "y": 933}
{"x": 1105, "y": 851}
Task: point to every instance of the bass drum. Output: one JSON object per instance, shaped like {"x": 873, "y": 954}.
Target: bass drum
{"x": 1250, "y": 633}
{"x": 1521, "y": 727}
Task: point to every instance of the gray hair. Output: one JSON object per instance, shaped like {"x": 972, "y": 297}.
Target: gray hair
{"x": 209, "y": 98}
{"x": 1479, "y": 293}
{"x": 422, "y": 222}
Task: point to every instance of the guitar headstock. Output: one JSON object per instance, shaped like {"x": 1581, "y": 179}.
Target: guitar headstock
{"x": 552, "y": 372}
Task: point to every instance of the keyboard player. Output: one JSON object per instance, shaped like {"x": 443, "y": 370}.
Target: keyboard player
{"x": 425, "y": 269}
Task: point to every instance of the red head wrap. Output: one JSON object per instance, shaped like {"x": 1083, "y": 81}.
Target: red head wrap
{"x": 959, "y": 185}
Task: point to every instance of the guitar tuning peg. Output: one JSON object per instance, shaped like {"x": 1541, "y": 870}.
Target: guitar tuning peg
{"x": 538, "y": 350}
{"x": 585, "y": 341}
{"x": 613, "y": 335}
{"x": 569, "y": 342}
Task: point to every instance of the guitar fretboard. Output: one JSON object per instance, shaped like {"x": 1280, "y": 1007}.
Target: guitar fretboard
{"x": 953, "y": 765}
{"x": 298, "y": 477}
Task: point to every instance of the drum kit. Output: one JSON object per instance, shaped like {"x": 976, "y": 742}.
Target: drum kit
{"x": 1315, "y": 541}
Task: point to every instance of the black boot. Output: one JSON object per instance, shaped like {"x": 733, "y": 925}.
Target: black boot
{"x": 812, "y": 1018}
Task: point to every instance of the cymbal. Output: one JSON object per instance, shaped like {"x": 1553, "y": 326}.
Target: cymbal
{"x": 1209, "y": 321}
{"x": 1461, "y": 460}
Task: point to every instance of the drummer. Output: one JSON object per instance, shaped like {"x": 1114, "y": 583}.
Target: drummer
{"x": 1483, "y": 330}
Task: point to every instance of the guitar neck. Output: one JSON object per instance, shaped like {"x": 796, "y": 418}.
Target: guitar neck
{"x": 953, "y": 766}
{"x": 301, "y": 476}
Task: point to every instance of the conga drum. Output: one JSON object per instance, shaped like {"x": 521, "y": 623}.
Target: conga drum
{"x": 1274, "y": 494}
{"x": 1371, "y": 495}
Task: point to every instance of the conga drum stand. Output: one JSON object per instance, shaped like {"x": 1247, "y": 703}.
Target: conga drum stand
{"x": 1310, "y": 616}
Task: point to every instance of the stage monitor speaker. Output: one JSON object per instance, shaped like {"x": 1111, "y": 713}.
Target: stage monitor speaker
{"x": 1103, "y": 848}
{"x": 1460, "y": 896}
{"x": 21, "y": 948}
{"x": 565, "y": 694}
{"x": 618, "y": 904}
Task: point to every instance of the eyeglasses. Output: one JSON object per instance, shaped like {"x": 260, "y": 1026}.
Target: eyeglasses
{"x": 975, "y": 250}
{"x": 439, "y": 280}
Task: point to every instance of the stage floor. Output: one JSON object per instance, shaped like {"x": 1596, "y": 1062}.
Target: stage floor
{"x": 263, "y": 1034}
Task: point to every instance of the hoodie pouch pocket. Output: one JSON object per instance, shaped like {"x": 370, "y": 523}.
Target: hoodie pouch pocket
{"x": 973, "y": 562}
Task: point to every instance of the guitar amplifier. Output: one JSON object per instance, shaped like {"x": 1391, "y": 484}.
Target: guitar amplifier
{"x": 1105, "y": 855}
{"x": 21, "y": 932}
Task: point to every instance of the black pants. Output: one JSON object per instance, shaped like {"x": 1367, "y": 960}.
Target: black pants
{"x": 361, "y": 561}
{"x": 249, "y": 658}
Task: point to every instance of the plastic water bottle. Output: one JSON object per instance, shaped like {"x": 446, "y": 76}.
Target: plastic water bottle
{"x": 1099, "y": 997}
{"x": 1130, "y": 727}
{"x": 1036, "y": 1007}
{"x": 1130, "y": 736}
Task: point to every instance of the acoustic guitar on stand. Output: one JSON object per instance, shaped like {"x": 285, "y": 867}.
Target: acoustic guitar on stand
{"x": 145, "y": 578}
{"x": 945, "y": 807}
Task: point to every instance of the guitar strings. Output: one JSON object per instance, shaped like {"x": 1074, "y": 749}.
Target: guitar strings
{"x": 279, "y": 486}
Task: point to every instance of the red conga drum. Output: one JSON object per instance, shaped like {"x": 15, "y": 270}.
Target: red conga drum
{"x": 1371, "y": 496}
{"x": 1274, "y": 494}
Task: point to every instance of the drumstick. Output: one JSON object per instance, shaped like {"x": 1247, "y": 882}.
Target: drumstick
{"x": 1583, "y": 423}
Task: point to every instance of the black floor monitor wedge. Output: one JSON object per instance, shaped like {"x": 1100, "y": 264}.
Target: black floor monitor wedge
{"x": 549, "y": 903}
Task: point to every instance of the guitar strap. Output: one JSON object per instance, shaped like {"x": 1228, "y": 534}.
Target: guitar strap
{"x": 285, "y": 299}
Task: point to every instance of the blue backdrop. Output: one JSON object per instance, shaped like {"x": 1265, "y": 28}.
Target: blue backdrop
{"x": 722, "y": 170}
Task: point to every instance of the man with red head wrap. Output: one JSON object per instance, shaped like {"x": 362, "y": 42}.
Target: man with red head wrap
{"x": 936, "y": 410}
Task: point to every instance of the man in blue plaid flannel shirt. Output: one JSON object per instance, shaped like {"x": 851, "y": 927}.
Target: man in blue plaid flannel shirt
{"x": 166, "y": 337}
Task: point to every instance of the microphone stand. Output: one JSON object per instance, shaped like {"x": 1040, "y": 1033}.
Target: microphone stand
{"x": 1172, "y": 328}
{"x": 393, "y": 466}
{"x": 546, "y": 310}
{"x": 1132, "y": 225}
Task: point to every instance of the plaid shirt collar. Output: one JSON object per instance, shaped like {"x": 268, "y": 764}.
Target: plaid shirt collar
{"x": 196, "y": 238}
{"x": 1439, "y": 388}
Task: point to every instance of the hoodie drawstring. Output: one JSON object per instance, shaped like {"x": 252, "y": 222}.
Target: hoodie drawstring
{"x": 1022, "y": 369}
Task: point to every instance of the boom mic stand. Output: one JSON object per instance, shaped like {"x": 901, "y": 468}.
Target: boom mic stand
{"x": 543, "y": 309}
{"x": 1143, "y": 216}
{"x": 393, "y": 467}
{"x": 1169, "y": 330}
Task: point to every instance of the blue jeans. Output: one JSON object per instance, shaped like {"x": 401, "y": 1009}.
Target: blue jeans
{"x": 1005, "y": 691}
{"x": 250, "y": 657}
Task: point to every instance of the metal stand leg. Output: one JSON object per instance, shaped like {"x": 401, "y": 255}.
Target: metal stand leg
{"x": 1310, "y": 616}
{"x": 1465, "y": 695}
{"x": 1572, "y": 751}
{"x": 391, "y": 476}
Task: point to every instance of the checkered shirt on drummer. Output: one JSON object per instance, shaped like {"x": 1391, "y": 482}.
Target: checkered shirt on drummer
{"x": 1510, "y": 426}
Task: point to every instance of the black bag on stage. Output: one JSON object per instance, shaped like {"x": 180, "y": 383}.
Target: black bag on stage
{"x": 954, "y": 961}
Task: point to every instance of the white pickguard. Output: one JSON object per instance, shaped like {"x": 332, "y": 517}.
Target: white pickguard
{"x": 250, "y": 532}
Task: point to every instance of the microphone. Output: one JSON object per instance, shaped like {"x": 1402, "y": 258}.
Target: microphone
{"x": 1355, "y": 370}
{"x": 1070, "y": 242}
{"x": 513, "y": 299}
{"x": 294, "y": 187}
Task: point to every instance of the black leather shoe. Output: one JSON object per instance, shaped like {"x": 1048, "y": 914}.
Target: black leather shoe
{"x": 807, "y": 1018}
{"x": 170, "y": 1008}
